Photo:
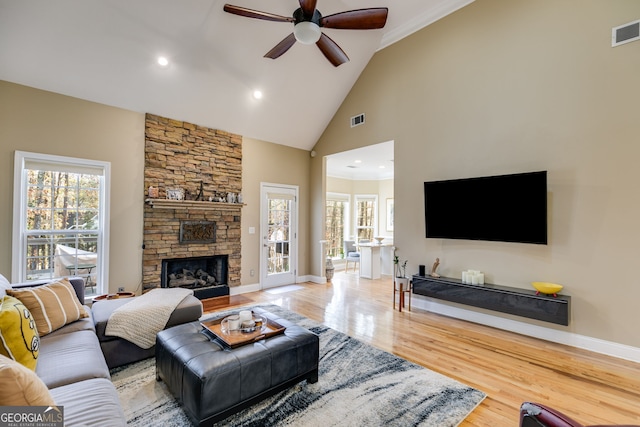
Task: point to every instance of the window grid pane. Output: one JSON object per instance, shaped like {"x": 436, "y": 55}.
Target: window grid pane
{"x": 279, "y": 215}
{"x": 365, "y": 219}
{"x": 334, "y": 229}
{"x": 62, "y": 227}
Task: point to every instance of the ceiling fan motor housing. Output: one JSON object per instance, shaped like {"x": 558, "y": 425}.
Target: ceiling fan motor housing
{"x": 298, "y": 16}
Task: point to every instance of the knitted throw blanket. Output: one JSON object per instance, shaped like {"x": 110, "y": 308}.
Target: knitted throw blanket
{"x": 139, "y": 320}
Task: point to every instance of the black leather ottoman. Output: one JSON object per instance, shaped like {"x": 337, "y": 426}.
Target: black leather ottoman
{"x": 213, "y": 382}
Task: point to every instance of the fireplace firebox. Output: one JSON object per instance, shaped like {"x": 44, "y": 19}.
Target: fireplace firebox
{"x": 206, "y": 275}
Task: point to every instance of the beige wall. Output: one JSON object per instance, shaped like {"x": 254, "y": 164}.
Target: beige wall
{"x": 504, "y": 87}
{"x": 45, "y": 122}
{"x": 385, "y": 192}
{"x": 274, "y": 164}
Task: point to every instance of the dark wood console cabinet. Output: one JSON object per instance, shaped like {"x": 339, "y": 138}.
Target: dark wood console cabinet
{"x": 520, "y": 302}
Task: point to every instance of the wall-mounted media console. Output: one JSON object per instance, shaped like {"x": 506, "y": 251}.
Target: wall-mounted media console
{"x": 520, "y": 302}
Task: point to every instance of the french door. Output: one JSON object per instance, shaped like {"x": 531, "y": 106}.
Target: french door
{"x": 279, "y": 209}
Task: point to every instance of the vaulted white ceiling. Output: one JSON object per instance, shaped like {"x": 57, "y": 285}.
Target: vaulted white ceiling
{"x": 106, "y": 51}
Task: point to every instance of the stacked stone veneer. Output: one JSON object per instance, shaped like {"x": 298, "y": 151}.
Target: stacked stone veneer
{"x": 180, "y": 155}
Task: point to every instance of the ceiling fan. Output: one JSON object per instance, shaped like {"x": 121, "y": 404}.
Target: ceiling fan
{"x": 307, "y": 22}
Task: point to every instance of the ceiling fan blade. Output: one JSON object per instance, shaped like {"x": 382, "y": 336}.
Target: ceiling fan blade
{"x": 332, "y": 51}
{"x": 308, "y": 7}
{"x": 360, "y": 19}
{"x": 250, "y": 13}
{"x": 281, "y": 47}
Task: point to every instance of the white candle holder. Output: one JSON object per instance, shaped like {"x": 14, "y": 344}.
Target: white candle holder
{"x": 473, "y": 277}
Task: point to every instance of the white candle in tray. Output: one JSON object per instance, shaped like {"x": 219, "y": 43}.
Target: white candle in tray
{"x": 233, "y": 322}
{"x": 245, "y": 315}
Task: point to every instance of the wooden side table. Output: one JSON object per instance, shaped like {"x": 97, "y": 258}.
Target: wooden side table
{"x": 401, "y": 285}
{"x": 114, "y": 296}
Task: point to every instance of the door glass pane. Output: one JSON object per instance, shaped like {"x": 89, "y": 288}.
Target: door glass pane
{"x": 279, "y": 215}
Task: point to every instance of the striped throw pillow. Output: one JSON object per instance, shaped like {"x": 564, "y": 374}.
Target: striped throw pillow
{"x": 52, "y": 306}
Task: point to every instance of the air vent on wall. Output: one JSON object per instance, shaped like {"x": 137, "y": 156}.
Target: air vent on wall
{"x": 357, "y": 120}
{"x": 625, "y": 33}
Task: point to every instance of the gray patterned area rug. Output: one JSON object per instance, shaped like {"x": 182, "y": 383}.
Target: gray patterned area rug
{"x": 358, "y": 385}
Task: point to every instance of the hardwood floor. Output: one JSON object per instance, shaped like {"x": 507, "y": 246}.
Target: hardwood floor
{"x": 510, "y": 368}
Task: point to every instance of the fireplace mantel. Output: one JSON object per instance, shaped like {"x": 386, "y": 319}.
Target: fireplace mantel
{"x": 192, "y": 204}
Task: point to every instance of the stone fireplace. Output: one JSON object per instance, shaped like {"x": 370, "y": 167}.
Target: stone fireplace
{"x": 203, "y": 164}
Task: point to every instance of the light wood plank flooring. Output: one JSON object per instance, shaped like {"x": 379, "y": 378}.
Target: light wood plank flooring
{"x": 509, "y": 368}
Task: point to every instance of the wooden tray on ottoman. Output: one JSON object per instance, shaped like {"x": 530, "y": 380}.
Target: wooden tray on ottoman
{"x": 233, "y": 339}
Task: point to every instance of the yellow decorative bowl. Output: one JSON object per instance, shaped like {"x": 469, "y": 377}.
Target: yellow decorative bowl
{"x": 547, "y": 288}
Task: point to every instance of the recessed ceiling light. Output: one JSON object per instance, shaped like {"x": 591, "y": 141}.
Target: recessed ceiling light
{"x": 381, "y": 167}
{"x": 163, "y": 61}
{"x": 358, "y": 161}
{"x": 257, "y": 94}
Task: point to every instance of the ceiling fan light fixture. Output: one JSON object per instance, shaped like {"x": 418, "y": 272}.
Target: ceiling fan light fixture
{"x": 307, "y": 32}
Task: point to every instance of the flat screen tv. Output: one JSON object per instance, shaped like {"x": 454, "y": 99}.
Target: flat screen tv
{"x": 504, "y": 208}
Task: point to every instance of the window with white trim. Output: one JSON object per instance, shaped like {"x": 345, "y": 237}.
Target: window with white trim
{"x": 337, "y": 223}
{"x": 365, "y": 217}
{"x": 60, "y": 219}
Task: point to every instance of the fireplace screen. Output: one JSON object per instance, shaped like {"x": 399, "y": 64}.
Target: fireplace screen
{"x": 195, "y": 272}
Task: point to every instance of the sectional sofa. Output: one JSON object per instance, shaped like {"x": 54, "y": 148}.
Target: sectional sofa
{"x": 72, "y": 365}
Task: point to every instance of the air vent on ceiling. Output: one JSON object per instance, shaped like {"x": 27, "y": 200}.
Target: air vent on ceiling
{"x": 625, "y": 33}
{"x": 357, "y": 120}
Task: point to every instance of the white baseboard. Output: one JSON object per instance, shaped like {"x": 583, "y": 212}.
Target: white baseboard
{"x": 237, "y": 290}
{"x": 254, "y": 287}
{"x": 312, "y": 279}
{"x": 561, "y": 337}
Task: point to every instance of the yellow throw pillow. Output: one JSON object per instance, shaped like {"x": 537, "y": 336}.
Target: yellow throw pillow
{"x": 52, "y": 306}
{"x": 21, "y": 387}
{"x": 19, "y": 338}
